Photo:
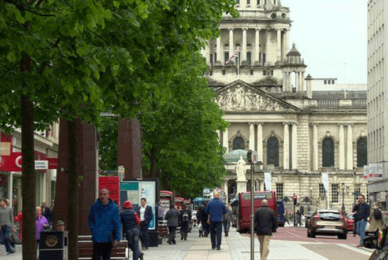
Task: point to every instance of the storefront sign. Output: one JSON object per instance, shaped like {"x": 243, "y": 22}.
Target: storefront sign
{"x": 41, "y": 165}
{"x": 5, "y": 148}
{"x": 52, "y": 163}
{"x": 112, "y": 183}
{"x": 14, "y": 162}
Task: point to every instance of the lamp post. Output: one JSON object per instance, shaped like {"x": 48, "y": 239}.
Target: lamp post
{"x": 343, "y": 199}
{"x": 311, "y": 198}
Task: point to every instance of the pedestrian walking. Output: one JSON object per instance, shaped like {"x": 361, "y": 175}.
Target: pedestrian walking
{"x": 215, "y": 208}
{"x": 265, "y": 224}
{"x": 287, "y": 217}
{"x": 362, "y": 211}
{"x": 298, "y": 218}
{"x": 185, "y": 218}
{"x": 7, "y": 224}
{"x": 375, "y": 219}
{"x": 204, "y": 220}
{"x": 46, "y": 212}
{"x": 227, "y": 218}
{"x": 131, "y": 221}
{"x": 301, "y": 208}
{"x": 172, "y": 217}
{"x": 199, "y": 220}
{"x": 105, "y": 226}
{"x": 145, "y": 213}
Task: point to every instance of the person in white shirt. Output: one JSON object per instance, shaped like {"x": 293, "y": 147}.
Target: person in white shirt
{"x": 145, "y": 213}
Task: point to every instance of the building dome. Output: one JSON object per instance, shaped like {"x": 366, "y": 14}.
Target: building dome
{"x": 293, "y": 51}
{"x": 235, "y": 155}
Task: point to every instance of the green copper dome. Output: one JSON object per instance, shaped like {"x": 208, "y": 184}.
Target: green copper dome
{"x": 234, "y": 155}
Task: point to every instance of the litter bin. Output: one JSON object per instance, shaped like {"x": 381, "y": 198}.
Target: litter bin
{"x": 53, "y": 245}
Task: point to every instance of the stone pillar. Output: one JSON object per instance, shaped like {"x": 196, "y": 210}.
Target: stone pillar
{"x": 225, "y": 140}
{"x": 268, "y": 46}
{"x": 219, "y": 54}
{"x": 226, "y": 191}
{"x": 285, "y": 43}
{"x": 285, "y": 81}
{"x": 231, "y": 46}
{"x": 260, "y": 154}
{"x": 257, "y": 45}
{"x": 279, "y": 44}
{"x": 129, "y": 147}
{"x": 315, "y": 147}
{"x": 244, "y": 45}
{"x": 251, "y": 136}
{"x": 301, "y": 84}
{"x": 296, "y": 81}
{"x": 294, "y": 146}
{"x": 341, "y": 148}
{"x": 349, "y": 149}
{"x": 286, "y": 147}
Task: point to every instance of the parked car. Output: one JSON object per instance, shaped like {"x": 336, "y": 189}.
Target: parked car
{"x": 307, "y": 217}
{"x": 350, "y": 222}
{"x": 327, "y": 223}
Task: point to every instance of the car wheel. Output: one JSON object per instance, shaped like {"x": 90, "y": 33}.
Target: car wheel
{"x": 344, "y": 236}
{"x": 312, "y": 234}
{"x": 308, "y": 233}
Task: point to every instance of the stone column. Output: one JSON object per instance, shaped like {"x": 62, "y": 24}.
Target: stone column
{"x": 296, "y": 81}
{"x": 260, "y": 154}
{"x": 231, "y": 47}
{"x": 219, "y": 54}
{"x": 349, "y": 149}
{"x": 294, "y": 146}
{"x": 279, "y": 44}
{"x": 226, "y": 190}
{"x": 268, "y": 53}
{"x": 301, "y": 86}
{"x": 341, "y": 148}
{"x": 225, "y": 141}
{"x": 244, "y": 45}
{"x": 315, "y": 147}
{"x": 285, "y": 81}
{"x": 286, "y": 147}
{"x": 285, "y": 43}
{"x": 257, "y": 45}
{"x": 251, "y": 136}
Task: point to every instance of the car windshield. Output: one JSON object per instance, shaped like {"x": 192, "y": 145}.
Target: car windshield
{"x": 330, "y": 215}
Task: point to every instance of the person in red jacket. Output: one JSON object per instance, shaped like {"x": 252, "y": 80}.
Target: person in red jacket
{"x": 131, "y": 221}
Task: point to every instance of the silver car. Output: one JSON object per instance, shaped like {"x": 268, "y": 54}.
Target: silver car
{"x": 327, "y": 223}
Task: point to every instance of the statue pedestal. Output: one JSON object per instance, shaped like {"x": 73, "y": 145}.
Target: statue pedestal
{"x": 241, "y": 186}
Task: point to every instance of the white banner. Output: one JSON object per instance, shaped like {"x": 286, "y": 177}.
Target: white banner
{"x": 41, "y": 165}
{"x": 267, "y": 181}
{"x": 325, "y": 180}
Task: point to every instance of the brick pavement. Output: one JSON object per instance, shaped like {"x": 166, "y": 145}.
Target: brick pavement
{"x": 234, "y": 247}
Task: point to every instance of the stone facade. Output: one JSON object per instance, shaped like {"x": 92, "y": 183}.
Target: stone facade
{"x": 272, "y": 108}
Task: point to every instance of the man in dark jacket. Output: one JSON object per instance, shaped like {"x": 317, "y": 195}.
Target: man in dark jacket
{"x": 362, "y": 211}
{"x": 131, "y": 221}
{"x": 185, "y": 218}
{"x": 265, "y": 224}
{"x": 145, "y": 213}
{"x": 172, "y": 217}
{"x": 105, "y": 225}
{"x": 216, "y": 209}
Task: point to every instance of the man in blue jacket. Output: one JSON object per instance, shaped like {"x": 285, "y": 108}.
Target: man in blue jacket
{"x": 216, "y": 209}
{"x": 145, "y": 213}
{"x": 105, "y": 225}
{"x": 362, "y": 211}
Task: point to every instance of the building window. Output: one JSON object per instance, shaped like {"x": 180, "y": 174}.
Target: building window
{"x": 264, "y": 58}
{"x": 211, "y": 59}
{"x": 332, "y": 82}
{"x": 271, "y": 72}
{"x": 259, "y": 56}
{"x": 322, "y": 191}
{"x": 264, "y": 72}
{"x": 334, "y": 193}
{"x": 211, "y": 73}
{"x": 362, "y": 152}
{"x": 273, "y": 151}
{"x": 226, "y": 54}
{"x": 251, "y": 72}
{"x": 248, "y": 2}
{"x": 215, "y": 57}
{"x": 238, "y": 2}
{"x": 249, "y": 58}
{"x": 328, "y": 152}
{"x": 324, "y": 82}
{"x": 238, "y": 143}
{"x": 279, "y": 191}
{"x": 357, "y": 190}
{"x": 223, "y": 72}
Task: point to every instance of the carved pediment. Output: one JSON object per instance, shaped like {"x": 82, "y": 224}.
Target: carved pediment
{"x": 241, "y": 97}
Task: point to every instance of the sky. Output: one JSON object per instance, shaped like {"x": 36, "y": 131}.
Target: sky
{"x": 331, "y": 36}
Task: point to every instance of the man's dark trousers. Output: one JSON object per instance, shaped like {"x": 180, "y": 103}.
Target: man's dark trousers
{"x": 144, "y": 234}
{"x": 102, "y": 250}
{"x": 215, "y": 229}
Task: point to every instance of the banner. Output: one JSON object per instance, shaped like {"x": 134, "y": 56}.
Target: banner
{"x": 325, "y": 180}
{"x": 267, "y": 181}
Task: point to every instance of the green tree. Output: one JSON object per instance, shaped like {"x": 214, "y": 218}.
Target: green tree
{"x": 108, "y": 143}
{"x": 76, "y": 58}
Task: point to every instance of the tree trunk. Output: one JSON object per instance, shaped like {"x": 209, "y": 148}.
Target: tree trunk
{"x": 28, "y": 179}
{"x": 72, "y": 214}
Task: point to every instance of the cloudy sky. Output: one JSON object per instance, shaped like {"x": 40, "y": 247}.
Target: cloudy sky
{"x": 331, "y": 35}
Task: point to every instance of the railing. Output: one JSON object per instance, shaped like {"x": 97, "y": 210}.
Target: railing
{"x": 336, "y": 103}
{"x": 359, "y": 102}
{"x": 328, "y": 103}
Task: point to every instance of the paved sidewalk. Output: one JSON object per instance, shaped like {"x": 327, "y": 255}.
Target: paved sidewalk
{"x": 234, "y": 247}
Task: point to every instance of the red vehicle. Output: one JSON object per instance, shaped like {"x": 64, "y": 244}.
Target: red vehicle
{"x": 179, "y": 202}
{"x": 243, "y": 212}
{"x": 350, "y": 222}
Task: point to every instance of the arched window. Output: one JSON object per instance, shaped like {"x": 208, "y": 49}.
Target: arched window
{"x": 362, "y": 152}
{"x": 273, "y": 151}
{"x": 238, "y": 143}
{"x": 328, "y": 152}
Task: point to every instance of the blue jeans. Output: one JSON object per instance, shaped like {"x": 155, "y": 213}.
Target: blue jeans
{"x": 226, "y": 227}
{"x": 215, "y": 230}
{"x": 360, "y": 226}
{"x": 5, "y": 233}
{"x": 133, "y": 241}
{"x": 144, "y": 233}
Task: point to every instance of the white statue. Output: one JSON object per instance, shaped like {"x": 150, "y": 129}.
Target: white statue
{"x": 240, "y": 169}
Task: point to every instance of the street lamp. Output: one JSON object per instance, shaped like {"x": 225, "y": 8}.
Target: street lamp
{"x": 311, "y": 198}
{"x": 343, "y": 199}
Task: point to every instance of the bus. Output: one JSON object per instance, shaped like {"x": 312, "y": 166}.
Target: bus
{"x": 280, "y": 212}
{"x": 243, "y": 209}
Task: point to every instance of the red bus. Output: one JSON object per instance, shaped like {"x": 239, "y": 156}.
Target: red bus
{"x": 243, "y": 210}
{"x": 179, "y": 202}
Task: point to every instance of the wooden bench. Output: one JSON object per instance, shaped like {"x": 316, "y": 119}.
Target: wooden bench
{"x": 85, "y": 248}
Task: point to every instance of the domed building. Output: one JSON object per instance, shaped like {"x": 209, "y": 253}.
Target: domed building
{"x": 303, "y": 128}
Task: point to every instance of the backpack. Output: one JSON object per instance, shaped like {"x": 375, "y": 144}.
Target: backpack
{"x": 185, "y": 217}
{"x": 377, "y": 214}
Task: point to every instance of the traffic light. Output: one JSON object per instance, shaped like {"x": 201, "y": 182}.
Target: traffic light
{"x": 295, "y": 199}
